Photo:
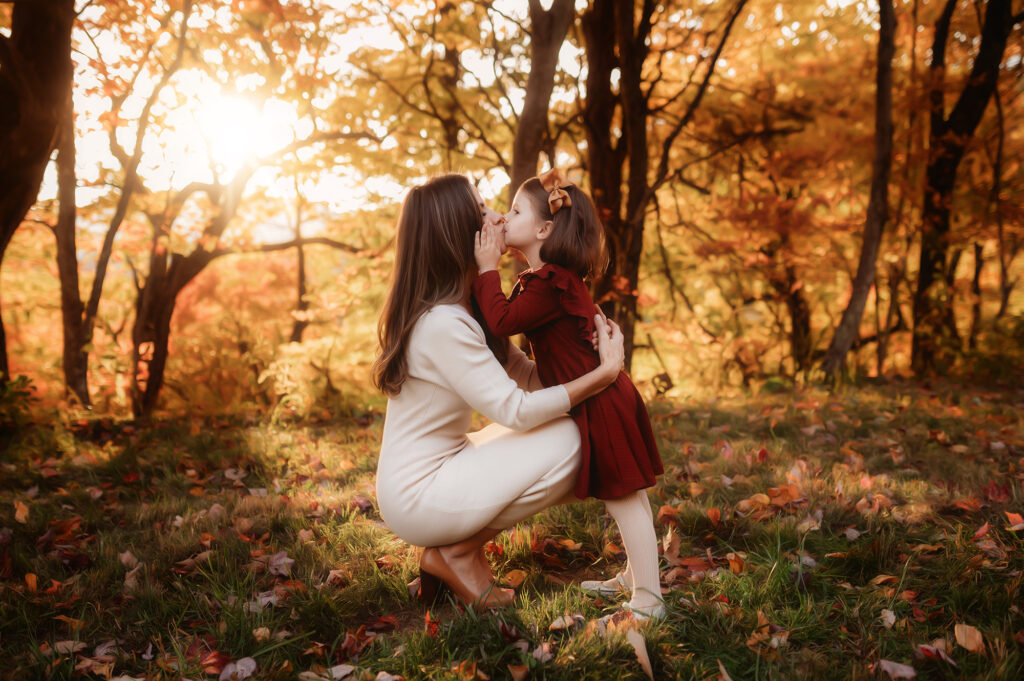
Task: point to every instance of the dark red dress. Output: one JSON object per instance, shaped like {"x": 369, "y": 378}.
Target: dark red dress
{"x": 553, "y": 307}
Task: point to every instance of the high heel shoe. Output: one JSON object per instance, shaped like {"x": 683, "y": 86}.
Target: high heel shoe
{"x": 435, "y": 571}
{"x": 431, "y": 588}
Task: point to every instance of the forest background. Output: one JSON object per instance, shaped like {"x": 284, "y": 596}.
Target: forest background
{"x": 197, "y": 214}
{"x": 217, "y": 185}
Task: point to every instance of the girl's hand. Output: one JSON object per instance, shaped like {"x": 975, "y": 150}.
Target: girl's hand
{"x": 610, "y": 346}
{"x": 488, "y": 247}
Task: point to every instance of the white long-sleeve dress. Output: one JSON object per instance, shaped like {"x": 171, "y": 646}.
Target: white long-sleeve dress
{"x": 438, "y": 484}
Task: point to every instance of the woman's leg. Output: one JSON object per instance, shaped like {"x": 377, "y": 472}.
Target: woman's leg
{"x": 636, "y": 527}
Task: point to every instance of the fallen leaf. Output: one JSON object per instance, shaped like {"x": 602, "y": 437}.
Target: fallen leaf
{"x": 515, "y": 578}
{"x": 636, "y": 640}
{"x": 567, "y": 621}
{"x": 340, "y": 671}
{"x": 970, "y": 638}
{"x": 722, "y": 674}
{"x": 670, "y": 547}
{"x": 385, "y": 676}
{"x": 543, "y": 652}
{"x": 238, "y": 670}
{"x": 888, "y": 618}
{"x": 981, "y": 532}
{"x": 736, "y": 562}
{"x": 20, "y": 512}
{"x": 261, "y": 634}
{"x": 519, "y": 672}
{"x": 1014, "y": 521}
{"x": 895, "y": 670}
{"x": 280, "y": 563}
{"x": 935, "y": 651}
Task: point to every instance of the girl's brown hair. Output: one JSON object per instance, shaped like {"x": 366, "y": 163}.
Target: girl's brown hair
{"x": 577, "y": 235}
{"x": 433, "y": 254}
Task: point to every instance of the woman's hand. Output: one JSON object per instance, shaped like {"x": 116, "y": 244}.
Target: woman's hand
{"x": 593, "y": 336}
{"x": 488, "y": 247}
{"x": 610, "y": 346}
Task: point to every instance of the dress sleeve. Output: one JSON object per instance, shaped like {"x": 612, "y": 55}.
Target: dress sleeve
{"x": 460, "y": 356}
{"x": 522, "y": 369}
{"x": 535, "y": 305}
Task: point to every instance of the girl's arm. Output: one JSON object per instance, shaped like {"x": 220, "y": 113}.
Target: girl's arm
{"x": 535, "y": 305}
{"x": 532, "y": 307}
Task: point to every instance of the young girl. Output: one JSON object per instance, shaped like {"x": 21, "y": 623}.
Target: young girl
{"x": 555, "y": 225}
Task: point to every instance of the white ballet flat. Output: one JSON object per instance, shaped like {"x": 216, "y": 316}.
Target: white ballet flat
{"x": 599, "y": 588}
{"x": 627, "y": 617}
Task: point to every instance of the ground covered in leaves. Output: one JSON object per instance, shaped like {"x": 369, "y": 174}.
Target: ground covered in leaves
{"x": 874, "y": 533}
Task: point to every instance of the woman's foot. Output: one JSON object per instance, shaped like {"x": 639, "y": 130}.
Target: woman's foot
{"x": 608, "y": 587}
{"x": 464, "y": 575}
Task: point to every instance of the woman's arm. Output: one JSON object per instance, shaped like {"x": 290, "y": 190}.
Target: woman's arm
{"x": 454, "y": 345}
{"x": 523, "y": 370}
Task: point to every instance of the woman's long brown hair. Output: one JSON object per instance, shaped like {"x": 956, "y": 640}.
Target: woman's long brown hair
{"x": 433, "y": 254}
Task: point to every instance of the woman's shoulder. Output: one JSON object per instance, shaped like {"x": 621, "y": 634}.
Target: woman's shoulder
{"x": 445, "y": 320}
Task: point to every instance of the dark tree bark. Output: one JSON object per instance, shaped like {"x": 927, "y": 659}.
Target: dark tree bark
{"x": 75, "y": 356}
{"x": 935, "y": 340}
{"x": 35, "y": 77}
{"x": 616, "y": 37}
{"x": 547, "y": 33}
{"x": 301, "y": 305}
{"x": 878, "y": 204}
{"x": 979, "y": 263}
{"x": 169, "y": 272}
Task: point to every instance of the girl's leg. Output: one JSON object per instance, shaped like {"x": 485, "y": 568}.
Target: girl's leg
{"x": 626, "y": 575}
{"x": 632, "y": 513}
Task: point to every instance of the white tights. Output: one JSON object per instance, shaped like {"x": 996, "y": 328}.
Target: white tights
{"x": 632, "y": 513}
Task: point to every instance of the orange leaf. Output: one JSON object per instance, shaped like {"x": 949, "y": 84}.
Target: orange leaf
{"x": 1015, "y": 521}
{"x": 20, "y": 512}
{"x": 714, "y": 515}
{"x": 30, "y": 581}
{"x": 519, "y": 672}
{"x": 982, "y": 531}
{"x": 515, "y": 578}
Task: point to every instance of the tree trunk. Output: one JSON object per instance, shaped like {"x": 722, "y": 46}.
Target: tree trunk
{"x": 610, "y": 24}
{"x": 979, "y": 262}
{"x": 154, "y": 309}
{"x": 35, "y": 73}
{"x": 547, "y": 33}
{"x": 302, "y": 305}
{"x": 75, "y": 356}
{"x": 935, "y": 342}
{"x": 878, "y": 205}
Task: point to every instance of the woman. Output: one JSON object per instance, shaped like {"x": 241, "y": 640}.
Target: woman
{"x": 438, "y": 486}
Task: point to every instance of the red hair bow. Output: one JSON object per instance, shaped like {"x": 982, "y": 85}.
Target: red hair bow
{"x": 553, "y": 183}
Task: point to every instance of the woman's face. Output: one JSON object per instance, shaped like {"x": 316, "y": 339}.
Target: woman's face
{"x": 490, "y": 217}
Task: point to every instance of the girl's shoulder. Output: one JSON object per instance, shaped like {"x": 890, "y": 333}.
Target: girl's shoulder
{"x": 558, "y": 276}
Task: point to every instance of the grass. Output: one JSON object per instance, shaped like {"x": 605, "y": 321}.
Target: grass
{"x": 170, "y": 550}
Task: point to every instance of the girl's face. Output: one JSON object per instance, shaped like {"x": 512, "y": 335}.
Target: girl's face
{"x": 521, "y": 223}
